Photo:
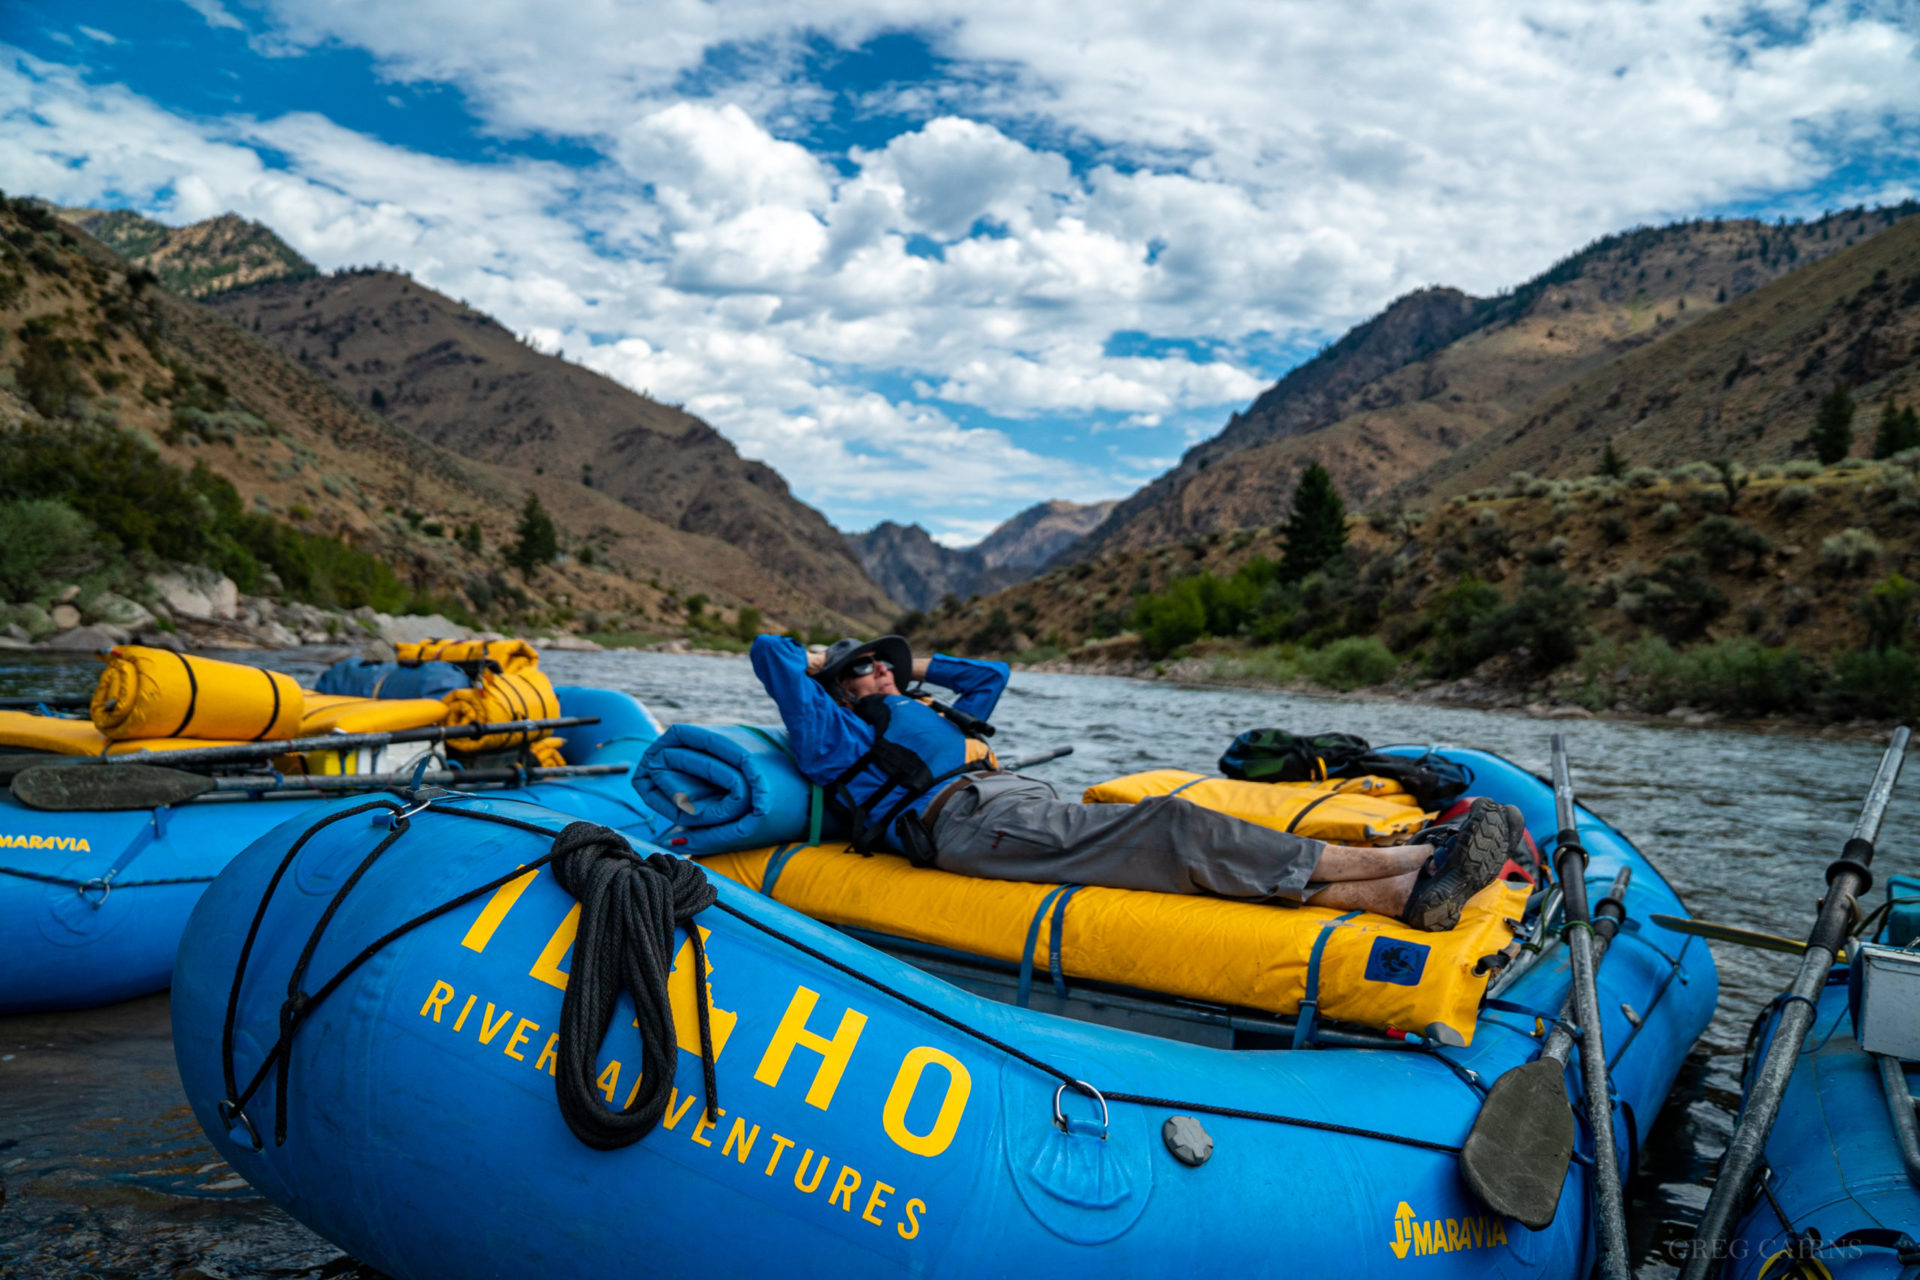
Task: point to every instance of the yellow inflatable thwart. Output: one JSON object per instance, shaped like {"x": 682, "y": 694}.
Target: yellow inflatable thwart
{"x": 1355, "y": 811}
{"x": 522, "y": 695}
{"x": 1374, "y": 971}
{"x": 512, "y": 656}
{"x": 156, "y": 693}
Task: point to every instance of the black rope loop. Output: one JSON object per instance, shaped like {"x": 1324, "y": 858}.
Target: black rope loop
{"x": 630, "y": 908}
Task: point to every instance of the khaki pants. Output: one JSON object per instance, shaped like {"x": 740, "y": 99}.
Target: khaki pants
{"x": 1005, "y": 827}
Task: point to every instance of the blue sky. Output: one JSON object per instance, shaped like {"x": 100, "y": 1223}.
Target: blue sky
{"x": 937, "y": 261}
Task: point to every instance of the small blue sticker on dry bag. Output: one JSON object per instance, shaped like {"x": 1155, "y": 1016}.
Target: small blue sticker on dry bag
{"x": 1397, "y": 961}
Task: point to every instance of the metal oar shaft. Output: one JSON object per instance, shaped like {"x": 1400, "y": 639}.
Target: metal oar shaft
{"x": 1027, "y": 762}
{"x": 335, "y": 742}
{"x": 1847, "y": 878}
{"x": 1559, "y": 1042}
{"x": 1570, "y": 862}
{"x": 405, "y": 778}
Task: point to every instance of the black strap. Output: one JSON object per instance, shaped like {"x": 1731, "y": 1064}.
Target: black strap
{"x": 1308, "y": 808}
{"x": 193, "y": 696}
{"x": 275, "y": 716}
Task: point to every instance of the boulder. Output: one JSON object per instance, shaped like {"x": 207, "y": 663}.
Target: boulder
{"x": 118, "y": 611}
{"x": 85, "y": 639}
{"x": 30, "y": 618}
{"x": 570, "y": 644}
{"x": 410, "y": 628}
{"x": 11, "y": 642}
{"x": 65, "y": 617}
{"x": 162, "y": 640}
{"x": 68, "y": 594}
{"x": 197, "y": 591}
{"x": 275, "y": 636}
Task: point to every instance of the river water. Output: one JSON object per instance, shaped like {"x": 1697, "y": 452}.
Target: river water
{"x": 106, "y": 1174}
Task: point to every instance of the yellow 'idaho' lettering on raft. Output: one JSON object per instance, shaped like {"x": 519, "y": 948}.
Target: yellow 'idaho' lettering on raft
{"x": 812, "y": 1169}
{"x": 1443, "y": 1235}
{"x": 72, "y": 844}
{"x": 793, "y": 1034}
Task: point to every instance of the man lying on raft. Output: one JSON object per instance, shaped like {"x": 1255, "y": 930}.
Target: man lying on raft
{"x": 916, "y": 778}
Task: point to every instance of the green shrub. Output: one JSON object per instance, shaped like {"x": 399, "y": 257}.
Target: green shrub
{"x": 49, "y": 377}
{"x": 1614, "y": 530}
{"x": 1876, "y": 683}
{"x": 1791, "y": 497}
{"x": 1667, "y": 518}
{"x": 1726, "y": 541}
{"x": 1643, "y": 477}
{"x": 1167, "y": 621}
{"x": 1678, "y": 599}
{"x": 1851, "y": 551}
{"x": 1454, "y": 615}
{"x": 1546, "y": 621}
{"x": 42, "y": 542}
{"x": 1801, "y": 469}
{"x": 1887, "y": 609}
{"x": 1740, "y": 676}
{"x": 1351, "y": 663}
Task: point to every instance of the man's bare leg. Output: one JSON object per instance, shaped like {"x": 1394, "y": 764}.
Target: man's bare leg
{"x": 1345, "y": 862}
{"x": 1387, "y": 897}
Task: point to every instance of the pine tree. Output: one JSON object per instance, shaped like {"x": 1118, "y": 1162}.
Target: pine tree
{"x": 1316, "y": 532}
{"x": 1612, "y": 465}
{"x": 1899, "y": 430}
{"x": 535, "y": 542}
{"x": 1832, "y": 435}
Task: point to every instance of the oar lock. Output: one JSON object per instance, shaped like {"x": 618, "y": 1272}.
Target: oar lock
{"x": 1065, "y": 1125}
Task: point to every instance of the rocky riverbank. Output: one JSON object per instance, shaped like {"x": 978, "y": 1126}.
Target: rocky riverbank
{"x": 189, "y": 608}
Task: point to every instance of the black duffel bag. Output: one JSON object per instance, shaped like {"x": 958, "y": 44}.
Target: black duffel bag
{"x": 1276, "y": 755}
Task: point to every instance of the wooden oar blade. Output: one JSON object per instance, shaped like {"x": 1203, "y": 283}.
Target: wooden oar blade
{"x": 130, "y": 786}
{"x": 1517, "y": 1155}
{"x": 1731, "y": 933}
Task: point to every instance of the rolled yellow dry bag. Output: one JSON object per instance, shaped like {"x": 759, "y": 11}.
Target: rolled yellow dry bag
{"x": 1353, "y": 811}
{"x": 500, "y": 695}
{"x": 510, "y": 655}
{"x": 156, "y": 693}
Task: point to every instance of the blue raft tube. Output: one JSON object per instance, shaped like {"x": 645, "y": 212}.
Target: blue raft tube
{"x": 1839, "y": 1193}
{"x": 92, "y": 905}
{"x": 865, "y": 1114}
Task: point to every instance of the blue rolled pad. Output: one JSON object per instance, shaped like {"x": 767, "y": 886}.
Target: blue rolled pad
{"x": 726, "y": 788}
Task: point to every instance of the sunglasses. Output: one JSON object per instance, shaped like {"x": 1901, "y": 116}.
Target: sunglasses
{"x": 864, "y": 667}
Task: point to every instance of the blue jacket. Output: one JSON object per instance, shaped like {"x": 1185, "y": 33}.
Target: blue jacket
{"x": 828, "y": 738}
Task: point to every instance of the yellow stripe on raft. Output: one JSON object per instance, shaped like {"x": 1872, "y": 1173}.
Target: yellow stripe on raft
{"x": 156, "y": 693}
{"x": 1355, "y": 811}
{"x": 1246, "y": 954}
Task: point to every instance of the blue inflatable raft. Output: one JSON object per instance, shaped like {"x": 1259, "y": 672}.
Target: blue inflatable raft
{"x": 865, "y": 1115}
{"x": 92, "y": 904}
{"x": 1841, "y": 1193}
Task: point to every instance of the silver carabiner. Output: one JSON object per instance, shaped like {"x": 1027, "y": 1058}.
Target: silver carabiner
{"x": 1059, "y": 1116}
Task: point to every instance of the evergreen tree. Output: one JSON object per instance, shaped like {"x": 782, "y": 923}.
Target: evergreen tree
{"x": 1316, "y": 532}
{"x": 1832, "y": 435}
{"x": 1899, "y": 430}
{"x": 1612, "y": 465}
{"x": 535, "y": 542}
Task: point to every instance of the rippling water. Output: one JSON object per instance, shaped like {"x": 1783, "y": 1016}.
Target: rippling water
{"x": 106, "y": 1173}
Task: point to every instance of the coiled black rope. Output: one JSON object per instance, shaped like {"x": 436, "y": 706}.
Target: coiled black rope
{"x": 630, "y": 908}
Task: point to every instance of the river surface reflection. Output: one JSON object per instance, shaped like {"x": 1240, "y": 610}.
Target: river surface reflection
{"x": 106, "y": 1174}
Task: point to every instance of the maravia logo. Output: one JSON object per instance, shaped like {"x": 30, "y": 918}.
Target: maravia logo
{"x": 77, "y": 844}
{"x": 1443, "y": 1235}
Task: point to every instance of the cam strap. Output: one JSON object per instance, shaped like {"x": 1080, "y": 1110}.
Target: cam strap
{"x": 1303, "y": 1026}
{"x": 1055, "y": 901}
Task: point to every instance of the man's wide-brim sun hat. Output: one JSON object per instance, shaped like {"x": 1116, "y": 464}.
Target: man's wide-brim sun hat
{"x": 892, "y": 650}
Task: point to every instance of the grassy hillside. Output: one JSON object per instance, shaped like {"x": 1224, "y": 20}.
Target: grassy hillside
{"x": 1743, "y": 382}
{"x": 172, "y": 434}
{"x": 1438, "y": 371}
{"x": 456, "y": 378}
{"x": 1787, "y": 590}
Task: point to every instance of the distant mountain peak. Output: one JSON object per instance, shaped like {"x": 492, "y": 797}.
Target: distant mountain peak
{"x": 198, "y": 260}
